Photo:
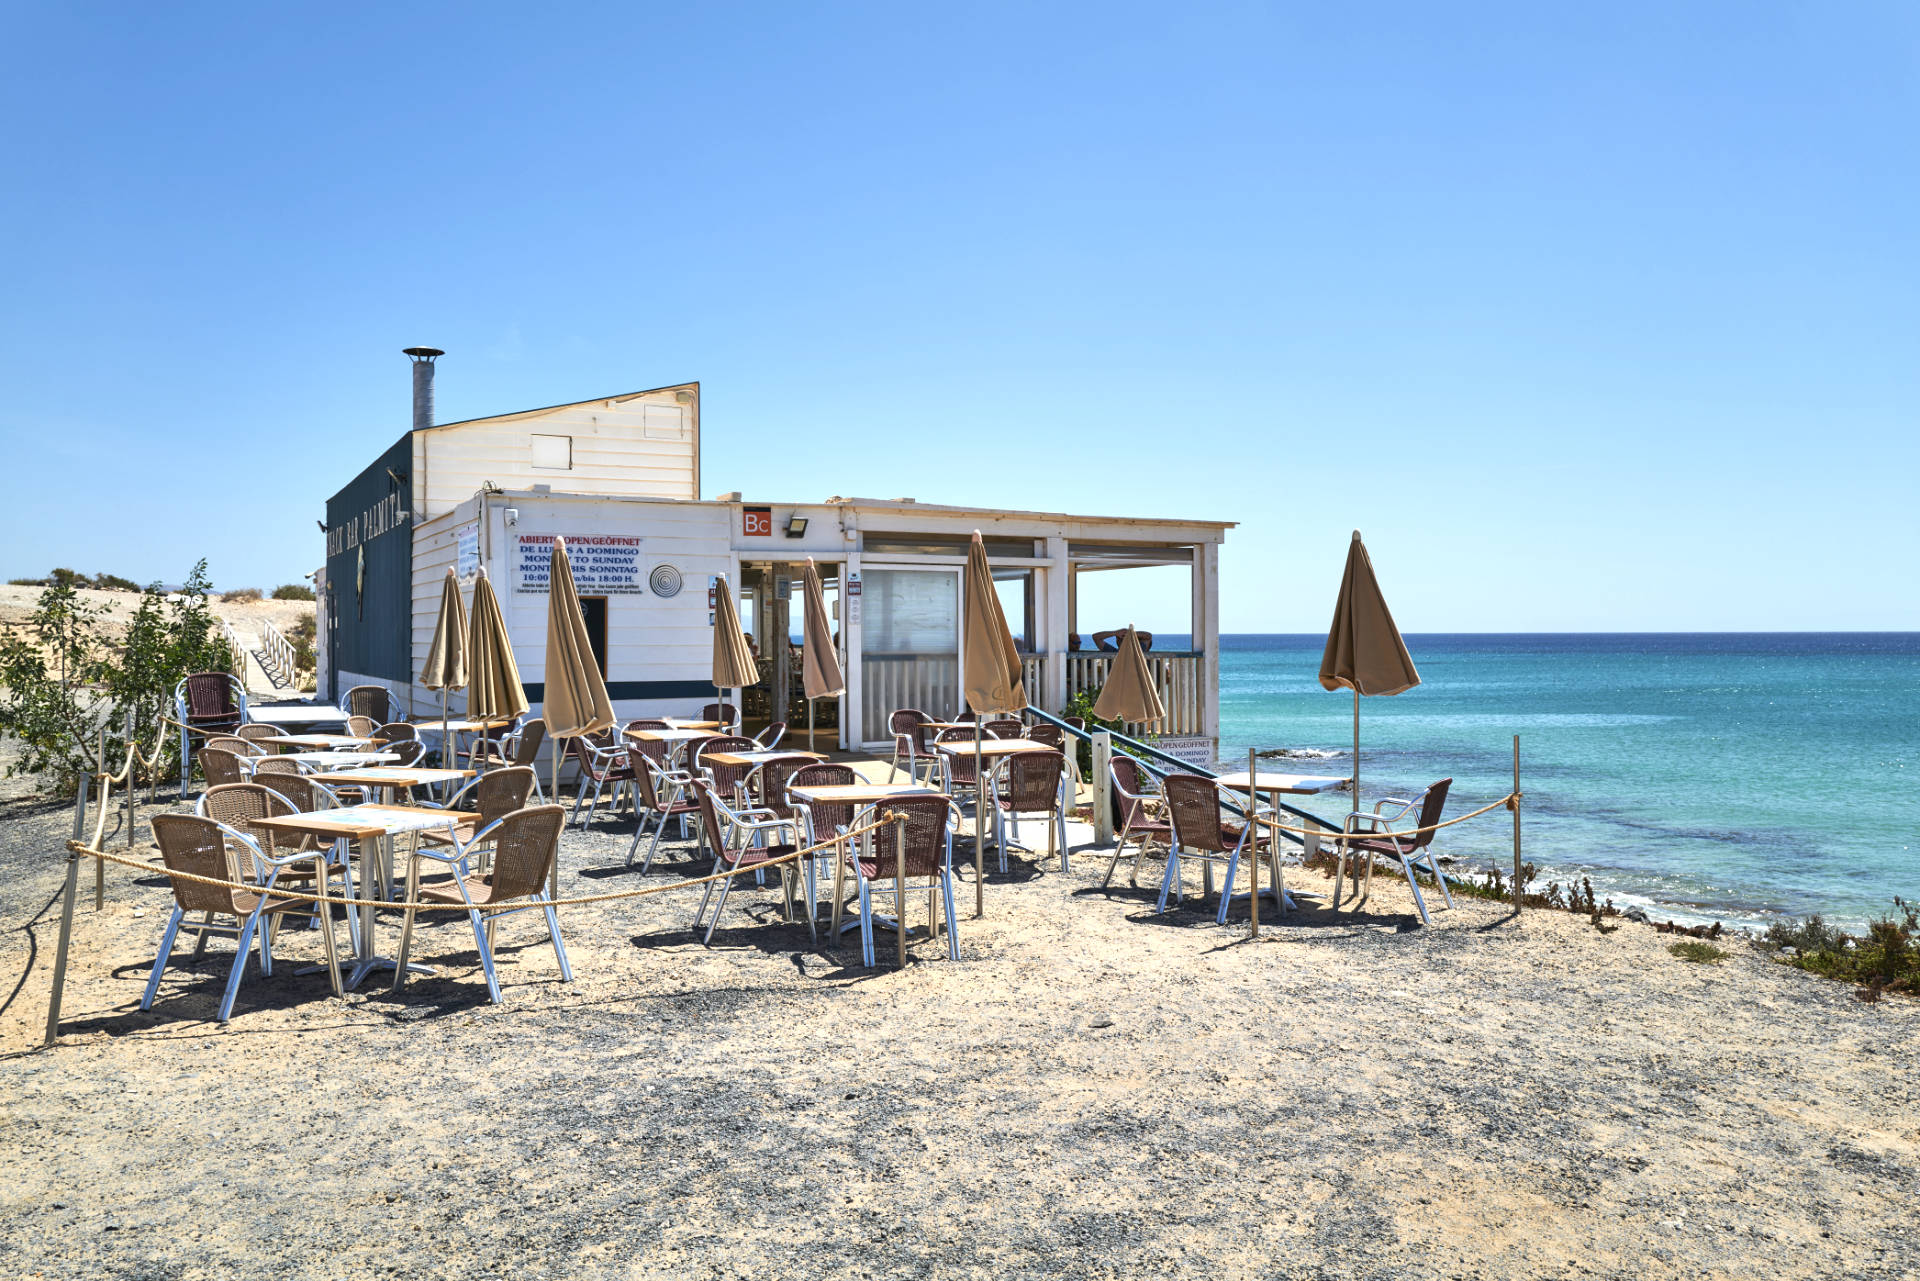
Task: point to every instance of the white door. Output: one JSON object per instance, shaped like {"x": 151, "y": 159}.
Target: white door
{"x": 909, "y": 645}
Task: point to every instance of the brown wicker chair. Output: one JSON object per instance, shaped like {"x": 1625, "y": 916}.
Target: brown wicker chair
{"x": 1203, "y": 830}
{"x": 928, "y": 856}
{"x": 242, "y": 805}
{"x": 203, "y": 847}
{"x": 522, "y": 747}
{"x": 221, "y": 766}
{"x": 726, "y": 779}
{"x": 264, "y": 734}
{"x": 1134, "y": 815}
{"x": 525, "y": 844}
{"x": 909, "y": 728}
{"x": 304, "y": 792}
{"x": 1051, "y": 735}
{"x": 957, "y": 766}
{"x": 396, "y": 732}
{"x": 1005, "y": 727}
{"x": 371, "y": 701}
{"x": 1411, "y": 852}
{"x": 241, "y": 747}
{"x": 726, "y": 713}
{"x": 211, "y": 701}
{"x": 663, "y": 794}
{"x": 739, "y": 839}
{"x": 602, "y": 760}
{"x": 493, "y": 795}
{"x": 275, "y": 765}
{"x": 361, "y": 726}
{"x": 769, "y": 738}
{"x": 1030, "y": 783}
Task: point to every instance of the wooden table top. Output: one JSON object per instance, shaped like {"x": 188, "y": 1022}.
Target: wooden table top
{"x": 755, "y": 758}
{"x": 996, "y": 747}
{"x": 460, "y": 726}
{"x": 294, "y": 714}
{"x": 348, "y": 759}
{"x": 675, "y": 722}
{"x": 322, "y": 740}
{"x": 394, "y": 776}
{"x": 672, "y": 735}
{"x": 842, "y": 793}
{"x": 1298, "y": 784}
{"x": 360, "y": 822}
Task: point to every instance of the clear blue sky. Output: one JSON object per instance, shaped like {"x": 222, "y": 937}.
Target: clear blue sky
{"x": 1591, "y": 316}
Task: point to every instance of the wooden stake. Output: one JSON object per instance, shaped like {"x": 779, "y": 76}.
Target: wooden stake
{"x": 129, "y": 797}
{"x": 1516, "y": 824}
{"x": 66, "y": 912}
{"x": 1253, "y": 841}
{"x": 100, "y": 864}
{"x": 900, "y": 887}
{"x": 979, "y": 832}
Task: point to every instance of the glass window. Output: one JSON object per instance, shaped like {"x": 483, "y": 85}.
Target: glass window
{"x": 910, "y": 612}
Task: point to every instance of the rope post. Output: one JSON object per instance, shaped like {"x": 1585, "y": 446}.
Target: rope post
{"x": 1516, "y": 825}
{"x": 129, "y": 796}
{"x": 900, "y": 886}
{"x": 106, "y": 793}
{"x": 1102, "y": 787}
{"x": 1253, "y": 842}
{"x": 66, "y": 911}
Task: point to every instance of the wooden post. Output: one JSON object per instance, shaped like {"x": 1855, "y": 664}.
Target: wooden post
{"x": 900, "y": 887}
{"x": 66, "y": 912}
{"x": 1515, "y": 803}
{"x": 129, "y": 796}
{"x": 1253, "y": 842}
{"x": 980, "y": 801}
{"x": 553, "y": 873}
{"x": 1102, "y": 788}
{"x": 106, "y": 793}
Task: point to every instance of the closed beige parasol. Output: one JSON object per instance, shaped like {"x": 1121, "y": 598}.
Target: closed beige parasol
{"x": 447, "y": 656}
{"x": 575, "y": 701}
{"x": 991, "y": 677}
{"x": 494, "y": 692}
{"x": 819, "y": 666}
{"x": 1364, "y": 651}
{"x": 733, "y": 663}
{"x": 1130, "y": 693}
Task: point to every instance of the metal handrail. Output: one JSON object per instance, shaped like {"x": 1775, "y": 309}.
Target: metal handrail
{"x": 278, "y": 651}
{"x": 1142, "y": 751}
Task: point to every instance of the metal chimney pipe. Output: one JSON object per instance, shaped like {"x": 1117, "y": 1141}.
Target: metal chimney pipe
{"x": 423, "y": 358}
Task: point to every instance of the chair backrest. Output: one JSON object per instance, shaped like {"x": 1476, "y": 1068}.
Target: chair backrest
{"x": 645, "y": 765}
{"x": 771, "y": 735}
{"x": 725, "y": 713}
{"x": 221, "y": 767}
{"x": 396, "y": 731}
{"x": 524, "y": 846}
{"x": 361, "y": 726}
{"x": 260, "y": 733}
{"x": 1128, "y": 777}
{"x": 1078, "y": 722}
{"x": 1005, "y": 727}
{"x": 651, "y": 749}
{"x": 275, "y": 765}
{"x": 645, "y": 723}
{"x": 1052, "y": 735}
{"x": 532, "y": 735}
{"x": 911, "y": 724}
{"x": 370, "y": 701}
{"x": 502, "y": 791}
{"x": 1193, "y": 807}
{"x": 959, "y": 764}
{"x": 238, "y": 746}
{"x": 409, "y": 750}
{"x": 710, "y": 813}
{"x": 928, "y": 845}
{"x": 774, "y": 776}
{"x": 241, "y": 804}
{"x": 197, "y": 846}
{"x": 826, "y": 817}
{"x": 1033, "y": 780}
{"x": 725, "y": 777}
{"x": 301, "y": 791}
{"x": 1430, "y": 806}
{"x": 209, "y": 696}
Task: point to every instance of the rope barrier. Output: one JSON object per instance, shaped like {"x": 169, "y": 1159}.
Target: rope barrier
{"x": 1510, "y": 801}
{"x": 78, "y": 847}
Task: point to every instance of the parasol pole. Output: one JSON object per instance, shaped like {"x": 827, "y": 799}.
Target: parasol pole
{"x": 446, "y": 743}
{"x": 809, "y": 725}
{"x": 553, "y": 876}
{"x": 979, "y": 837}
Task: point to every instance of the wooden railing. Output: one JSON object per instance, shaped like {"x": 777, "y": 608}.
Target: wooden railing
{"x": 1180, "y": 677}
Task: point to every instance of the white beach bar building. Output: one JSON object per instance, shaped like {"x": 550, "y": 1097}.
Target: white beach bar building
{"x": 619, "y": 477}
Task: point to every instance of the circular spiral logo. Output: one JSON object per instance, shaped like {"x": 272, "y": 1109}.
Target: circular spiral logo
{"x": 665, "y": 580}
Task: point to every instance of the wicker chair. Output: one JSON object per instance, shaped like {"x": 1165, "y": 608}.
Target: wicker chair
{"x": 644, "y": 722}
{"x": 260, "y": 733}
{"x": 957, "y": 767}
{"x": 494, "y": 795}
{"x": 726, "y": 779}
{"x": 374, "y": 702}
{"x": 1203, "y": 830}
{"x": 909, "y": 728}
{"x": 525, "y": 844}
{"x": 304, "y": 792}
{"x": 1031, "y": 783}
{"x": 767, "y": 782}
{"x": 522, "y": 747}
{"x": 240, "y": 806}
{"x": 929, "y": 856}
{"x": 203, "y": 847}
{"x": 1005, "y": 727}
{"x": 1411, "y": 852}
{"x": 221, "y": 767}
{"x": 275, "y": 765}
{"x": 663, "y": 794}
{"x": 361, "y": 726}
{"x": 769, "y": 738}
{"x": 1049, "y": 734}
{"x": 740, "y": 841}
{"x": 241, "y": 747}
{"x": 1133, "y": 815}
{"x": 396, "y": 732}
{"x": 602, "y": 760}
{"x": 726, "y": 713}
{"x": 211, "y": 702}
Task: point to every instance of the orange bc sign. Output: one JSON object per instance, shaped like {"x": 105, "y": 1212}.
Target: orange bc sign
{"x": 756, "y": 522}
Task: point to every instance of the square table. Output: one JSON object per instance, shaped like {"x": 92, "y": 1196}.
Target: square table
{"x": 295, "y": 714}
{"x": 856, "y": 794}
{"x": 675, "y": 722}
{"x": 325, "y": 742}
{"x": 994, "y": 747}
{"x": 327, "y": 758}
{"x": 1273, "y": 783}
{"x": 760, "y": 757}
{"x": 369, "y": 827}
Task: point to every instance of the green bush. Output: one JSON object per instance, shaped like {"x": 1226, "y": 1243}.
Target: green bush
{"x": 240, "y": 595}
{"x": 1699, "y": 953}
{"x": 293, "y": 591}
{"x": 1885, "y": 959}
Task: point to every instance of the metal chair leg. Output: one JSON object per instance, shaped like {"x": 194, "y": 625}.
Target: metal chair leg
{"x": 160, "y": 959}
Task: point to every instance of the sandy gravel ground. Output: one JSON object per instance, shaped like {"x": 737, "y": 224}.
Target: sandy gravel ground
{"x": 1093, "y": 1091}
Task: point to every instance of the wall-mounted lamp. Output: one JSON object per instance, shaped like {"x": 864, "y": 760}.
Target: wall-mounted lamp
{"x": 513, "y": 517}
{"x": 796, "y": 527}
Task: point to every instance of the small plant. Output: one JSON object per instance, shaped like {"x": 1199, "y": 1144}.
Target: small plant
{"x": 1081, "y": 705}
{"x": 1699, "y": 953}
{"x": 240, "y": 595}
{"x": 1885, "y": 959}
{"x": 293, "y": 591}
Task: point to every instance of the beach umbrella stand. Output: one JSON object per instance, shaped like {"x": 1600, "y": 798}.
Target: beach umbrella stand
{"x": 992, "y": 680}
{"x": 820, "y": 673}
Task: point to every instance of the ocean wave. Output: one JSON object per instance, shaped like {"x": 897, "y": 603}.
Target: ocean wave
{"x": 1301, "y": 754}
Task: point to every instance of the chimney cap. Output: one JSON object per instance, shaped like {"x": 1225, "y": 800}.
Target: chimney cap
{"x": 422, "y": 353}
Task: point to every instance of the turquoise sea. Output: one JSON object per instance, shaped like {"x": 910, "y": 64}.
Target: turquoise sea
{"x": 1731, "y": 776}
